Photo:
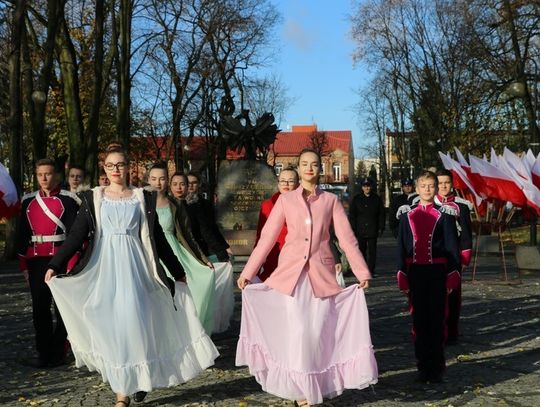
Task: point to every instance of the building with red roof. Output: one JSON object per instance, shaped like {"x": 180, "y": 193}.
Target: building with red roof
{"x": 335, "y": 147}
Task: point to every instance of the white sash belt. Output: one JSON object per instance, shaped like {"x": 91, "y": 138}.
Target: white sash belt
{"x": 48, "y": 238}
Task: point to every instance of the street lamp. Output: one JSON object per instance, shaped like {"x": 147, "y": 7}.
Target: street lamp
{"x": 39, "y": 97}
{"x": 518, "y": 89}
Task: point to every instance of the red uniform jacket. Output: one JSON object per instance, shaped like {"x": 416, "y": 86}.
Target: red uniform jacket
{"x": 37, "y": 228}
{"x": 463, "y": 219}
{"x": 272, "y": 259}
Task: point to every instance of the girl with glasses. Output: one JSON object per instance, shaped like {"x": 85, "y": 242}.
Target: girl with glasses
{"x": 124, "y": 317}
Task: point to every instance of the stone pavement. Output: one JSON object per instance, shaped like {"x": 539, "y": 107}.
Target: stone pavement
{"x": 496, "y": 363}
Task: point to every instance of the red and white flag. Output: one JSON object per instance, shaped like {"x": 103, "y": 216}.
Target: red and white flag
{"x": 461, "y": 180}
{"x": 499, "y": 185}
{"x": 535, "y": 172}
{"x": 530, "y": 158}
{"x": 9, "y": 200}
{"x": 462, "y": 161}
{"x": 516, "y": 164}
{"x": 531, "y": 192}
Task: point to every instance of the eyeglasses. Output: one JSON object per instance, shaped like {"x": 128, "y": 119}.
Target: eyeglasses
{"x": 284, "y": 182}
{"x": 119, "y": 166}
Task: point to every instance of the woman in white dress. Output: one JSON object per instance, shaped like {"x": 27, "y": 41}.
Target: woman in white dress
{"x": 124, "y": 317}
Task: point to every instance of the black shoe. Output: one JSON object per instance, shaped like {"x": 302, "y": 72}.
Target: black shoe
{"x": 57, "y": 362}
{"x": 139, "y": 396}
{"x": 37, "y": 363}
{"x": 422, "y": 377}
{"x": 435, "y": 377}
{"x": 451, "y": 341}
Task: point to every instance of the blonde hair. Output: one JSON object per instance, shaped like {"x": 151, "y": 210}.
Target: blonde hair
{"x": 427, "y": 174}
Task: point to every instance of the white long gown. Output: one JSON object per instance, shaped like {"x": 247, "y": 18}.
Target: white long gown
{"x": 121, "y": 321}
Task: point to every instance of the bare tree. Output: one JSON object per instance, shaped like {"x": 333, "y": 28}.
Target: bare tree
{"x": 15, "y": 114}
{"x": 267, "y": 94}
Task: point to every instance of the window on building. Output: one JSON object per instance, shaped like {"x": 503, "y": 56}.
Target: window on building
{"x": 336, "y": 171}
{"x": 278, "y": 168}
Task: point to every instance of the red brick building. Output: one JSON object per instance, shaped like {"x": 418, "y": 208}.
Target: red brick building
{"x": 336, "y": 149}
{"x": 335, "y": 146}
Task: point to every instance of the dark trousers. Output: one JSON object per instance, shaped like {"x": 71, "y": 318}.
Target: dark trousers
{"x": 368, "y": 247}
{"x": 428, "y": 303}
{"x": 50, "y": 337}
{"x": 454, "y": 311}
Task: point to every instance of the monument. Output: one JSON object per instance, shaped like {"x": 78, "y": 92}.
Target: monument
{"x": 244, "y": 184}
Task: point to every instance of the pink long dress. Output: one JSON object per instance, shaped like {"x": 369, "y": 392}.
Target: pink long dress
{"x": 301, "y": 335}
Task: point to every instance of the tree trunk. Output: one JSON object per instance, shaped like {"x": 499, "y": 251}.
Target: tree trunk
{"x": 15, "y": 118}
{"x": 72, "y": 102}
{"x": 124, "y": 75}
{"x": 93, "y": 119}
{"x": 39, "y": 103}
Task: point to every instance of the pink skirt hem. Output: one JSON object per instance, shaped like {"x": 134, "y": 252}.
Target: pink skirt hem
{"x": 281, "y": 381}
{"x": 301, "y": 347}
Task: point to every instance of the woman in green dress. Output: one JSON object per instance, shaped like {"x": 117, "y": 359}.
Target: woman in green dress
{"x": 174, "y": 220}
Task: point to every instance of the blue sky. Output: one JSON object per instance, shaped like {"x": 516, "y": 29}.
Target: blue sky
{"x": 315, "y": 64}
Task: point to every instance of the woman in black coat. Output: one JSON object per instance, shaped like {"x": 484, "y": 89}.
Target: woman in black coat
{"x": 203, "y": 222}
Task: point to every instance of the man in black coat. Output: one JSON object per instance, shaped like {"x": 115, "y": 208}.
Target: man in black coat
{"x": 405, "y": 198}
{"x": 367, "y": 219}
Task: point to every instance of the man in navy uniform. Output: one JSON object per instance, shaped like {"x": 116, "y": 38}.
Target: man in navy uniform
{"x": 428, "y": 265}
{"x": 46, "y": 217}
{"x": 367, "y": 219}
{"x": 446, "y": 196}
{"x": 405, "y": 198}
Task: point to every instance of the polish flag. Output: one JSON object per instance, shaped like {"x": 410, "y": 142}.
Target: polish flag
{"x": 499, "y": 185}
{"x": 461, "y": 180}
{"x": 516, "y": 164}
{"x": 535, "y": 172}
{"x": 462, "y": 161}
{"x": 9, "y": 199}
{"x": 531, "y": 191}
{"x": 475, "y": 180}
{"x": 484, "y": 189}
{"x": 529, "y": 157}
{"x": 494, "y": 158}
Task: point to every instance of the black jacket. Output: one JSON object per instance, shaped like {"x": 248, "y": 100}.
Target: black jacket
{"x": 399, "y": 200}
{"x": 427, "y": 235}
{"x": 205, "y": 229}
{"x": 366, "y": 215}
{"x": 84, "y": 228}
{"x": 184, "y": 229}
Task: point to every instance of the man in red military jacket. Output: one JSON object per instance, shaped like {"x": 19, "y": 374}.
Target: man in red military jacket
{"x": 428, "y": 270}
{"x": 446, "y": 196}
{"x": 287, "y": 181}
{"x": 46, "y": 216}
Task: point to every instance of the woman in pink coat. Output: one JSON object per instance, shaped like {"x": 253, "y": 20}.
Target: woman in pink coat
{"x": 303, "y": 336}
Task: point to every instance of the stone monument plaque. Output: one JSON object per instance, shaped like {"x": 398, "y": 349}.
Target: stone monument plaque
{"x": 242, "y": 186}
